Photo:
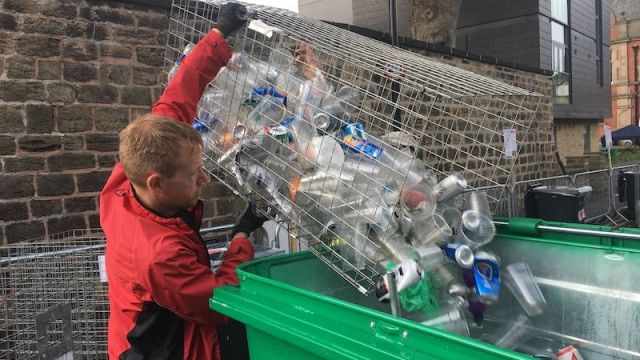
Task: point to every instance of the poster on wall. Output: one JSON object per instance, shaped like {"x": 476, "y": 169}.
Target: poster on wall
{"x": 510, "y": 145}
{"x": 608, "y": 142}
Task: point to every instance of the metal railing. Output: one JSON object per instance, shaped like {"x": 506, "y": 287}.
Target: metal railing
{"x": 597, "y": 202}
{"x": 601, "y": 202}
{"x": 616, "y": 204}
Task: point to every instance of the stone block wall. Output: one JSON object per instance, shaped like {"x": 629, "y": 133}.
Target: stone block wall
{"x": 537, "y": 153}
{"x": 536, "y": 158}
{"x": 73, "y": 73}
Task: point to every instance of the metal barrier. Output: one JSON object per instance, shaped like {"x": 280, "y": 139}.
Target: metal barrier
{"x": 597, "y": 203}
{"x": 53, "y": 296}
{"x": 615, "y": 199}
{"x": 603, "y": 201}
{"x": 519, "y": 188}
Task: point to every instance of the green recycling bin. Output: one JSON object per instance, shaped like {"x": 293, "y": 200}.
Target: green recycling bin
{"x": 296, "y": 307}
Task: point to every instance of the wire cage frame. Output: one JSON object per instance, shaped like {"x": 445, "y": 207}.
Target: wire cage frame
{"x": 417, "y": 110}
{"x": 53, "y": 297}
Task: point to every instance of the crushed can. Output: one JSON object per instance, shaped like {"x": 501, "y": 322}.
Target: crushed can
{"x": 486, "y": 273}
{"x": 362, "y": 146}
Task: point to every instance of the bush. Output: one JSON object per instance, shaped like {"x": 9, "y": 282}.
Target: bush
{"x": 622, "y": 155}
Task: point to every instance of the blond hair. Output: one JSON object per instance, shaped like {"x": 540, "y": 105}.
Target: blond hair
{"x": 155, "y": 143}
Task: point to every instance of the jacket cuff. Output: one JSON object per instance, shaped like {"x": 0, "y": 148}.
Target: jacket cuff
{"x": 241, "y": 244}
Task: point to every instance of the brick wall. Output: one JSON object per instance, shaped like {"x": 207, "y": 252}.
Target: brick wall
{"x": 73, "y": 73}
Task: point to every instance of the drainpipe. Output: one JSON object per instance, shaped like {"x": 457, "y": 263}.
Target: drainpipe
{"x": 395, "y": 85}
{"x": 393, "y": 22}
{"x": 635, "y": 85}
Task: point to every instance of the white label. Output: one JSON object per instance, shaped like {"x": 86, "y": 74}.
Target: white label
{"x": 510, "y": 144}
{"x": 607, "y": 137}
{"x": 102, "y": 268}
{"x": 394, "y": 69}
{"x": 262, "y": 28}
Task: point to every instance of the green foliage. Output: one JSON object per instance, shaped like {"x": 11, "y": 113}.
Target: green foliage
{"x": 622, "y": 155}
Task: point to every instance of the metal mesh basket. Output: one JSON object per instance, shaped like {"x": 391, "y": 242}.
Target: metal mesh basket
{"x": 354, "y": 105}
{"x": 53, "y": 304}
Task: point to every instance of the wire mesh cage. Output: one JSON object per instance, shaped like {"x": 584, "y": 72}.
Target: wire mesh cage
{"x": 53, "y": 299}
{"x": 336, "y": 134}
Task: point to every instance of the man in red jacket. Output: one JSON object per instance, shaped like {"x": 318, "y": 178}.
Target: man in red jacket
{"x": 160, "y": 280}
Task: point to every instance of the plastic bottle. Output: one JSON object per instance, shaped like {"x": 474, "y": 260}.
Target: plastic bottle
{"x": 268, "y": 177}
{"x": 269, "y": 112}
{"x": 210, "y": 107}
{"x": 403, "y": 165}
{"x": 332, "y": 115}
{"x": 181, "y": 56}
{"x": 348, "y": 95}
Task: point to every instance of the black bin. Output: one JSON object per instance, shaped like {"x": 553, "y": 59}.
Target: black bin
{"x": 627, "y": 184}
{"x": 565, "y": 204}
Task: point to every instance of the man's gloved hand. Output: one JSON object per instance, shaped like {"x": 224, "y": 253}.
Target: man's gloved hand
{"x": 248, "y": 222}
{"x": 230, "y": 18}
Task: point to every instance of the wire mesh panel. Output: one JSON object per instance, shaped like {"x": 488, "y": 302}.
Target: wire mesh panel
{"x": 53, "y": 304}
{"x": 305, "y": 121}
{"x": 597, "y": 202}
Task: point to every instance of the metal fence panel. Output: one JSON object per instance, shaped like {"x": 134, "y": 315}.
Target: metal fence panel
{"x": 617, "y": 205}
{"x": 597, "y": 203}
{"x": 53, "y": 299}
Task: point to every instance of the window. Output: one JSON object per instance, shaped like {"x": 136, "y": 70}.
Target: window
{"x": 559, "y": 47}
{"x": 559, "y": 11}
{"x": 559, "y": 62}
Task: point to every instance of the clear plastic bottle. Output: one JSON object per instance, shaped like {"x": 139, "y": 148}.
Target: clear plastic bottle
{"x": 210, "y": 107}
{"x": 269, "y": 177}
{"x": 269, "y": 112}
{"x": 348, "y": 95}
{"x": 181, "y": 56}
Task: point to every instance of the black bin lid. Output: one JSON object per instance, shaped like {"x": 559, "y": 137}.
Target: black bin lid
{"x": 564, "y": 191}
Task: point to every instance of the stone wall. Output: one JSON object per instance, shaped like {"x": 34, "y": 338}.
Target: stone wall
{"x": 73, "y": 73}
{"x": 577, "y": 139}
{"x": 537, "y": 152}
{"x": 536, "y": 158}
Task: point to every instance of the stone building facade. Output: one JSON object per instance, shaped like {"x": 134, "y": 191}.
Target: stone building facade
{"x": 73, "y": 73}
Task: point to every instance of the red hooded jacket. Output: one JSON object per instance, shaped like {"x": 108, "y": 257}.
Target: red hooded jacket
{"x": 158, "y": 268}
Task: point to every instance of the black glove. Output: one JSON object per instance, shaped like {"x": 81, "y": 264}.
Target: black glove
{"x": 248, "y": 222}
{"x": 230, "y": 18}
